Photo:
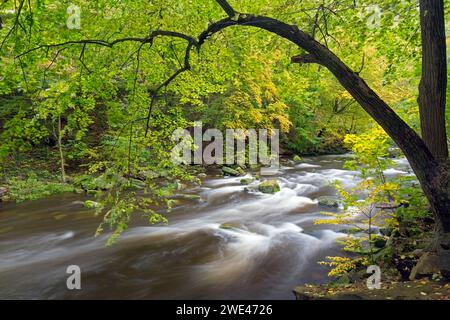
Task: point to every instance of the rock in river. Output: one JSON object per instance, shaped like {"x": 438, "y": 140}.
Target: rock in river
{"x": 269, "y": 186}
{"x": 327, "y": 201}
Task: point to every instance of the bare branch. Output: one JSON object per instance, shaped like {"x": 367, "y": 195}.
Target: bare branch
{"x": 110, "y": 44}
{"x": 227, "y": 8}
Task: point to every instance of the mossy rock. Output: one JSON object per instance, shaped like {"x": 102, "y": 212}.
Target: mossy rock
{"x": 241, "y": 171}
{"x": 327, "y": 201}
{"x": 297, "y": 158}
{"x": 269, "y": 186}
{"x": 230, "y": 226}
{"x": 247, "y": 181}
{"x": 91, "y": 204}
{"x": 231, "y": 172}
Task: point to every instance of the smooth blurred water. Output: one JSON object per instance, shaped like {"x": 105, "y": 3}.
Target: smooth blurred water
{"x": 273, "y": 247}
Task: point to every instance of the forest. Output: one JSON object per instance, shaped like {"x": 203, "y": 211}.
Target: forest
{"x": 224, "y": 149}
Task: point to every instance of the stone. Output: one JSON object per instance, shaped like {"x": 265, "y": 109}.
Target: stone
{"x": 202, "y": 175}
{"x": 327, "y": 201}
{"x": 269, "y": 186}
{"x": 417, "y": 253}
{"x": 296, "y": 158}
{"x": 427, "y": 265}
{"x": 229, "y": 225}
{"x": 230, "y": 172}
{"x": 91, "y": 204}
{"x": 246, "y": 181}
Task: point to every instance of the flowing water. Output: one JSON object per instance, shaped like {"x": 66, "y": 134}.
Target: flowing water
{"x": 272, "y": 246}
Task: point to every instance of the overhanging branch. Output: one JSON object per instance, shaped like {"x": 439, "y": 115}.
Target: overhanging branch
{"x": 227, "y": 7}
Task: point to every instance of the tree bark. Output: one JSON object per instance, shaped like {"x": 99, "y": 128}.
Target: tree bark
{"x": 61, "y": 153}
{"x": 433, "y": 85}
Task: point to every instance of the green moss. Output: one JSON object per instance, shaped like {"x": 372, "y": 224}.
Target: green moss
{"x": 269, "y": 186}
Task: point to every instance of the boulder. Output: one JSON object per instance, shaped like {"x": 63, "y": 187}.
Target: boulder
{"x": 296, "y": 158}
{"x": 427, "y": 265}
{"x": 269, "y": 186}
{"x": 229, "y": 225}
{"x": 327, "y": 201}
{"x": 91, "y": 204}
{"x": 231, "y": 172}
{"x": 246, "y": 181}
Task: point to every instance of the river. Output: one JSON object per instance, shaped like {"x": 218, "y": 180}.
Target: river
{"x": 273, "y": 246}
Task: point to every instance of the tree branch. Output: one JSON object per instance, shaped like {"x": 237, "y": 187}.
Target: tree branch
{"x": 227, "y": 8}
{"x": 304, "y": 59}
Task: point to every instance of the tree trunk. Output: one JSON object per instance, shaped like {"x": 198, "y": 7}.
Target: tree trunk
{"x": 61, "y": 153}
{"x": 433, "y": 85}
{"x": 432, "y": 100}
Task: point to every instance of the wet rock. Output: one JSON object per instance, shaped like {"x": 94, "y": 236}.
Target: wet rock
{"x": 91, "y": 204}
{"x": 229, "y": 225}
{"x": 327, "y": 201}
{"x": 231, "y": 172}
{"x": 269, "y": 186}
{"x": 202, "y": 175}
{"x": 246, "y": 181}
